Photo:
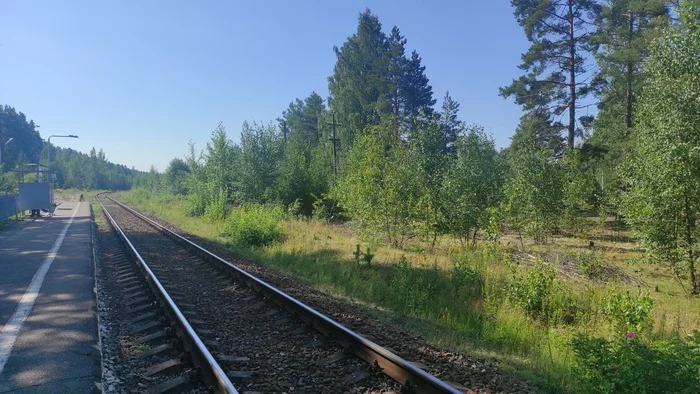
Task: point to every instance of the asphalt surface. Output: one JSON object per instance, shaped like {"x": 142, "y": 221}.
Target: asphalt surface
{"x": 56, "y": 349}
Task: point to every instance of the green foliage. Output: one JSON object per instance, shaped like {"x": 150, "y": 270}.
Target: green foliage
{"x": 373, "y": 80}
{"x": 625, "y": 28}
{"x": 8, "y": 184}
{"x": 381, "y": 189}
{"x": 662, "y": 203}
{"x": 449, "y": 122}
{"x": 628, "y": 365}
{"x": 255, "y": 225}
{"x": 465, "y": 277}
{"x": 220, "y": 163}
{"x": 471, "y": 186}
{"x": 627, "y": 313}
{"x": 533, "y": 193}
{"x": 302, "y": 118}
{"x": 295, "y": 209}
{"x": 176, "y": 174}
{"x": 217, "y": 207}
{"x": 261, "y": 153}
{"x": 559, "y": 33}
{"x": 324, "y": 208}
{"x": 26, "y": 144}
{"x": 533, "y": 291}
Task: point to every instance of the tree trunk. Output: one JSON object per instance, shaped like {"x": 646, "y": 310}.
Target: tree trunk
{"x": 689, "y": 231}
{"x": 396, "y": 114}
{"x": 630, "y": 70}
{"x": 572, "y": 76}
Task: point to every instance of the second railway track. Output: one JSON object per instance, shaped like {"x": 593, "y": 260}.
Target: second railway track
{"x": 265, "y": 340}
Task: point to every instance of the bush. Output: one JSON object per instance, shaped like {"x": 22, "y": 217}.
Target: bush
{"x": 325, "y": 209}
{"x": 255, "y": 225}
{"x": 196, "y": 202}
{"x": 533, "y": 290}
{"x": 628, "y": 313}
{"x": 296, "y": 209}
{"x": 628, "y": 365}
{"x": 217, "y": 208}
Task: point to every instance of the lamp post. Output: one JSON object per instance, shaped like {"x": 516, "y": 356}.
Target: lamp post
{"x": 1, "y": 146}
{"x": 48, "y": 151}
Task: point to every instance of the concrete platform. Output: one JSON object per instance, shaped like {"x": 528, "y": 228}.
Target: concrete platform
{"x": 48, "y": 329}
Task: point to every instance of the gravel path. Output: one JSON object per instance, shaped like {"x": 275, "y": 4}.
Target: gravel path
{"x": 263, "y": 348}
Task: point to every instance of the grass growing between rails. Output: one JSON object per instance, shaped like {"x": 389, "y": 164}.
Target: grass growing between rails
{"x": 570, "y": 319}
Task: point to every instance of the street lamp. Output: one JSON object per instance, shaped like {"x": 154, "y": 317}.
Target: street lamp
{"x": 1, "y": 145}
{"x": 48, "y": 153}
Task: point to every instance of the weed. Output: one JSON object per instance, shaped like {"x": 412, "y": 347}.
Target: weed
{"x": 533, "y": 290}
{"x": 255, "y": 225}
{"x": 627, "y": 313}
{"x": 629, "y": 365}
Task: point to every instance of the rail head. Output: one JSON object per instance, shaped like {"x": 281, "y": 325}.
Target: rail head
{"x": 212, "y": 372}
{"x": 393, "y": 365}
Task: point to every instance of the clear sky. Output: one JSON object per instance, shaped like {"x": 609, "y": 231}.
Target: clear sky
{"x": 139, "y": 79}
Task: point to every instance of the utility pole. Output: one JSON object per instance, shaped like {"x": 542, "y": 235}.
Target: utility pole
{"x": 335, "y": 141}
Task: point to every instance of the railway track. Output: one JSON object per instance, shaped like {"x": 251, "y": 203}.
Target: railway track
{"x": 244, "y": 334}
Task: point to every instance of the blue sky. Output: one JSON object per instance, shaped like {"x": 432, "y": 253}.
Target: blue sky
{"x": 139, "y": 79}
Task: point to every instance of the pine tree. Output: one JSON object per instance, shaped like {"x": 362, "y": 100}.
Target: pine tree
{"x": 397, "y": 77}
{"x": 625, "y": 30}
{"x": 560, "y": 32}
{"x": 449, "y": 122}
{"x": 359, "y": 87}
{"x": 418, "y": 92}
{"x": 302, "y": 117}
{"x": 538, "y": 131}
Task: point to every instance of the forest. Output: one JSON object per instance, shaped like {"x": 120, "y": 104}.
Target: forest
{"x": 21, "y": 144}
{"x": 570, "y": 257}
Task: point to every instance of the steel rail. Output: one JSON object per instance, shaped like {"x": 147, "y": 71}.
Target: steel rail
{"x": 391, "y": 364}
{"x": 211, "y": 371}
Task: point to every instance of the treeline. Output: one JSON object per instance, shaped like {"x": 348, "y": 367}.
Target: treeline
{"x": 78, "y": 170}
{"x": 380, "y": 153}
{"x": 21, "y": 144}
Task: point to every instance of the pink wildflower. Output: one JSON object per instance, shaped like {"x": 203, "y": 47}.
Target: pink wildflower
{"x": 630, "y": 335}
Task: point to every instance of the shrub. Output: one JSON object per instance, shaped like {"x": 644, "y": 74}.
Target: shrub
{"x": 196, "y": 202}
{"x": 296, "y": 209}
{"x": 255, "y": 225}
{"x": 533, "y": 290}
{"x": 217, "y": 208}
{"x": 627, "y": 313}
{"x": 628, "y": 365}
{"x": 324, "y": 208}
